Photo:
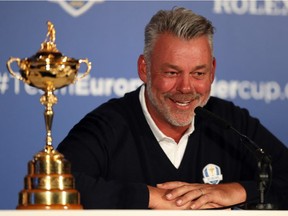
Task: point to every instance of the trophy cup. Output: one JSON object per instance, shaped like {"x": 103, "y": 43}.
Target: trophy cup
{"x": 49, "y": 183}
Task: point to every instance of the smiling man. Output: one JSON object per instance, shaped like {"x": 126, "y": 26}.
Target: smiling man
{"x": 148, "y": 150}
{"x": 178, "y": 81}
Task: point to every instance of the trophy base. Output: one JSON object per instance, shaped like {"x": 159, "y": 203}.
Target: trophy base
{"x": 49, "y": 183}
{"x": 49, "y": 207}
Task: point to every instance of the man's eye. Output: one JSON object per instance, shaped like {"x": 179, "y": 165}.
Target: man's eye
{"x": 199, "y": 75}
{"x": 171, "y": 73}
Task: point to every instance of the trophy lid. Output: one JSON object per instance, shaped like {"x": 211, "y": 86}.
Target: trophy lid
{"x": 49, "y": 44}
{"x": 48, "y": 48}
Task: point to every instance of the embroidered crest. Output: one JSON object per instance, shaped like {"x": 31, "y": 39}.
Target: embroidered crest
{"x": 76, "y": 8}
{"x": 212, "y": 174}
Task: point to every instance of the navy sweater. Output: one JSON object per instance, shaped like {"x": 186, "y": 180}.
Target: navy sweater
{"x": 114, "y": 154}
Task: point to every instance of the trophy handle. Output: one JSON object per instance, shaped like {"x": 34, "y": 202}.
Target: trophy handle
{"x": 88, "y": 64}
{"x": 11, "y": 60}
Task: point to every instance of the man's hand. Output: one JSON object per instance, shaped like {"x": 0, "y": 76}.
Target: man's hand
{"x": 202, "y": 196}
{"x": 158, "y": 200}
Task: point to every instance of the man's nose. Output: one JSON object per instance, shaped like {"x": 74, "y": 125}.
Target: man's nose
{"x": 185, "y": 84}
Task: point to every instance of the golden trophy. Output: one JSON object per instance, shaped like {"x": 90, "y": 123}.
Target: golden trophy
{"x": 49, "y": 183}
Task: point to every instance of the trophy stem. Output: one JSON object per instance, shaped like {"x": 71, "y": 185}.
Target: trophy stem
{"x": 48, "y": 99}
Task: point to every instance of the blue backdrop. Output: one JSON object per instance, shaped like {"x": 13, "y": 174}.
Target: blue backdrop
{"x": 250, "y": 48}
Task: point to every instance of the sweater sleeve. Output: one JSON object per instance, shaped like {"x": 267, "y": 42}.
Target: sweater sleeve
{"x": 102, "y": 194}
{"x": 90, "y": 147}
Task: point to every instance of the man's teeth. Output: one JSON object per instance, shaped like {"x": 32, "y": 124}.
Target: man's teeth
{"x": 183, "y": 103}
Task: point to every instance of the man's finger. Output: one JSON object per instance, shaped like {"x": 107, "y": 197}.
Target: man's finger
{"x": 171, "y": 185}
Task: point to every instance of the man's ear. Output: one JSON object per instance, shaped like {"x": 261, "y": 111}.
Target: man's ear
{"x": 213, "y": 70}
{"x": 142, "y": 68}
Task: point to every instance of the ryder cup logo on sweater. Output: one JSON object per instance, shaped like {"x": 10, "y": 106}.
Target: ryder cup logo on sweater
{"x": 76, "y": 8}
{"x": 212, "y": 174}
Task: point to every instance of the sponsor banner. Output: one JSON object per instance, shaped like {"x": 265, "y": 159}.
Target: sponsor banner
{"x": 267, "y": 91}
{"x": 251, "y": 7}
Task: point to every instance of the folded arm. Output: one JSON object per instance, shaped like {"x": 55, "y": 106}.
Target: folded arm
{"x": 182, "y": 195}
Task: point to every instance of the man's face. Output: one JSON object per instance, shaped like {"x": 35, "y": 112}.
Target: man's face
{"x": 179, "y": 79}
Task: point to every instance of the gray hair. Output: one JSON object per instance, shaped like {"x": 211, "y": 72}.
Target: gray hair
{"x": 180, "y": 22}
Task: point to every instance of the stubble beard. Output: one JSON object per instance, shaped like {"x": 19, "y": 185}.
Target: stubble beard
{"x": 178, "y": 118}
